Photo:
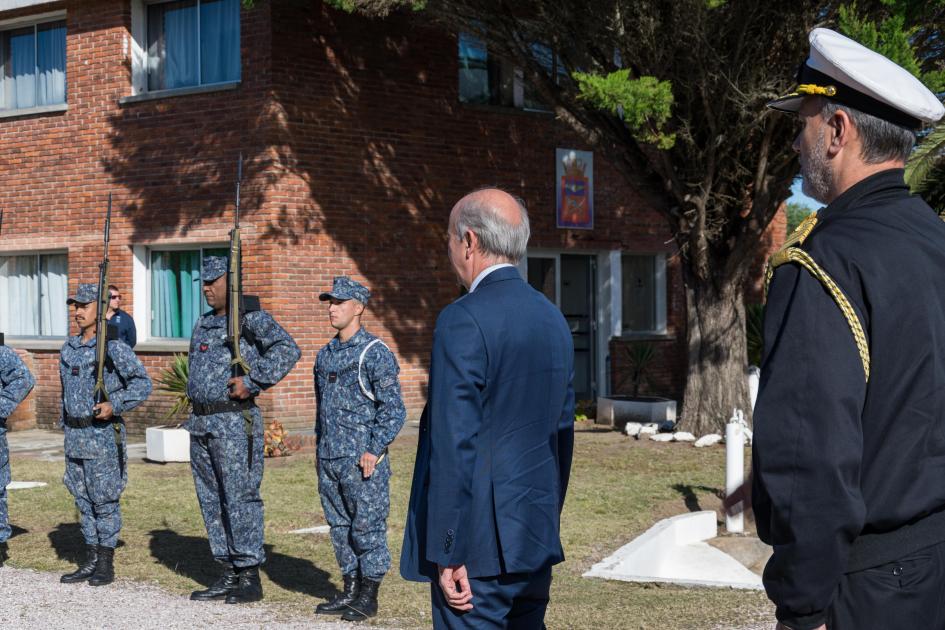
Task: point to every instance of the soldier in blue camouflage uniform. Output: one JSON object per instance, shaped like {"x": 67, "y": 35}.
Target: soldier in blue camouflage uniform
{"x": 226, "y": 428}
{"x": 15, "y": 383}
{"x": 95, "y": 434}
{"x": 360, "y": 412}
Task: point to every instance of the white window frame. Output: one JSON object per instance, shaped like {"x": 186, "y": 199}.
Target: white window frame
{"x": 139, "y": 55}
{"x": 34, "y": 21}
{"x": 27, "y": 339}
{"x": 609, "y": 304}
{"x": 141, "y": 290}
{"x": 659, "y": 278}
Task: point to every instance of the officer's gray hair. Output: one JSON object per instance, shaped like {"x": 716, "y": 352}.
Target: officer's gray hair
{"x": 881, "y": 140}
{"x": 496, "y": 236}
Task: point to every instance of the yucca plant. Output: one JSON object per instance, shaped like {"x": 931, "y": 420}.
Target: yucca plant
{"x": 754, "y": 329}
{"x": 174, "y": 381}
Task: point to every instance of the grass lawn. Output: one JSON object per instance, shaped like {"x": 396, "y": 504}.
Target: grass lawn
{"x": 619, "y": 487}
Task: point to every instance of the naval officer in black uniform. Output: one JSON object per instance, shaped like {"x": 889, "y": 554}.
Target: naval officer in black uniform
{"x": 849, "y": 452}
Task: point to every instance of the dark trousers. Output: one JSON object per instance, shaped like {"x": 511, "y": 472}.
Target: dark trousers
{"x": 907, "y": 593}
{"x": 516, "y": 601}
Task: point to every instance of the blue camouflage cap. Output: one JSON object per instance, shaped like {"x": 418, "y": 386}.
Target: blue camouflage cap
{"x": 344, "y": 288}
{"x": 214, "y": 267}
{"x": 87, "y": 293}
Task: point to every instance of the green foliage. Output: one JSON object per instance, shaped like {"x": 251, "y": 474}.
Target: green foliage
{"x": 890, "y": 37}
{"x": 754, "y": 332}
{"x": 174, "y": 381}
{"x": 796, "y": 213}
{"x": 644, "y": 104}
{"x": 924, "y": 159}
{"x": 932, "y": 189}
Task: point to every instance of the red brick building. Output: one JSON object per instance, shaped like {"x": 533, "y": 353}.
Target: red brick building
{"x": 358, "y": 136}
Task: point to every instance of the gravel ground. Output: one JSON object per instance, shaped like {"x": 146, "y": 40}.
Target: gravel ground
{"x": 33, "y": 599}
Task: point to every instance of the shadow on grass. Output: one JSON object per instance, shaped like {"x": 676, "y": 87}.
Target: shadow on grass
{"x": 16, "y": 531}
{"x": 190, "y": 556}
{"x": 691, "y": 499}
{"x": 69, "y": 544}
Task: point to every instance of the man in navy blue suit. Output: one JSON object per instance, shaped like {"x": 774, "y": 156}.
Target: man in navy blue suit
{"x": 497, "y": 435}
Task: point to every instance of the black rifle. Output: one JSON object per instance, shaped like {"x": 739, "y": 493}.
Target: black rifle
{"x": 103, "y": 334}
{"x": 236, "y": 305}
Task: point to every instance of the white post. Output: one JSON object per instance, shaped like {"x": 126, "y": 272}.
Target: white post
{"x": 734, "y": 470}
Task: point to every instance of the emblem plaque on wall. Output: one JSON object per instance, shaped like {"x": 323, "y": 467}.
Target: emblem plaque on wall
{"x": 574, "y": 175}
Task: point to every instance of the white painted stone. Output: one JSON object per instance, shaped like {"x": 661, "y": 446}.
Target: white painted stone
{"x": 708, "y": 440}
{"x": 673, "y": 550}
{"x": 167, "y": 444}
{"x": 25, "y": 485}
{"x": 647, "y": 429}
{"x": 318, "y": 529}
{"x": 662, "y": 437}
{"x": 633, "y": 429}
{"x": 684, "y": 436}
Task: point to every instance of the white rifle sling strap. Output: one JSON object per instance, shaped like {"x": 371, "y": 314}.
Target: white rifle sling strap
{"x": 791, "y": 254}
{"x": 364, "y": 389}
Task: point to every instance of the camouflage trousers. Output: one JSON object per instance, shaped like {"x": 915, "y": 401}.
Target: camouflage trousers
{"x": 4, "y": 482}
{"x": 97, "y": 485}
{"x": 356, "y": 510}
{"x": 228, "y": 493}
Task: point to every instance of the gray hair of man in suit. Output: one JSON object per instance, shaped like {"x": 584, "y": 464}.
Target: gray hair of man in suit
{"x": 498, "y": 219}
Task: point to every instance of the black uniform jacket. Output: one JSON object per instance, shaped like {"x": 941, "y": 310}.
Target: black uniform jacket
{"x": 837, "y": 459}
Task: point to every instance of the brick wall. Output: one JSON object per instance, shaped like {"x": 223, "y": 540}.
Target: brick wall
{"x": 356, "y": 147}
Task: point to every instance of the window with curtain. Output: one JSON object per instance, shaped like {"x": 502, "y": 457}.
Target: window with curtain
{"x": 485, "y": 79}
{"x": 33, "y": 293}
{"x": 193, "y": 42}
{"x": 639, "y": 294}
{"x": 33, "y": 60}
{"x": 176, "y": 290}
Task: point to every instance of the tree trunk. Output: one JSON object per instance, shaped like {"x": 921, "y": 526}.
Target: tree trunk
{"x": 718, "y": 357}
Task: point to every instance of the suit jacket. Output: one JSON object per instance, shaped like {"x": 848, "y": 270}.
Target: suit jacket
{"x": 496, "y": 437}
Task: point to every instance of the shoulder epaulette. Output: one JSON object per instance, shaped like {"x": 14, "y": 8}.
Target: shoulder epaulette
{"x": 791, "y": 252}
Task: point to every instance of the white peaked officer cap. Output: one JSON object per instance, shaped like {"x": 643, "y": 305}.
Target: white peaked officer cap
{"x": 851, "y": 74}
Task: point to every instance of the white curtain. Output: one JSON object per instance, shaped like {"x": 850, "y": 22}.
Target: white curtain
{"x": 51, "y": 63}
{"x": 19, "y": 293}
{"x": 54, "y": 289}
{"x": 219, "y": 40}
{"x": 180, "y": 44}
{"x": 23, "y": 67}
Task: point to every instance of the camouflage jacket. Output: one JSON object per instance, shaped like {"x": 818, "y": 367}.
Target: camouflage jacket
{"x": 348, "y": 422}
{"x": 268, "y": 349}
{"x": 15, "y": 383}
{"x": 126, "y": 382}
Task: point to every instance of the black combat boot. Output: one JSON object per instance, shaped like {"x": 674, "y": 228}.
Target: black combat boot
{"x": 365, "y": 605}
{"x": 104, "y": 568}
{"x": 85, "y": 570}
{"x": 4, "y": 556}
{"x": 248, "y": 589}
{"x": 224, "y": 585}
{"x": 340, "y": 603}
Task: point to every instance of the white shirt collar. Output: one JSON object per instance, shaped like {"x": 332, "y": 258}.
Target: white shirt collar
{"x": 485, "y": 272}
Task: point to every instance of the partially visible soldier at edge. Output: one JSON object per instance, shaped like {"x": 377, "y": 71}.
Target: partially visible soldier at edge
{"x": 226, "y": 459}
{"x": 849, "y": 435}
{"x": 360, "y": 412}
{"x": 95, "y": 436}
{"x": 15, "y": 383}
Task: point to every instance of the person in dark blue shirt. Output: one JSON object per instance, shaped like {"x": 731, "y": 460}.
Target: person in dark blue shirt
{"x": 120, "y": 319}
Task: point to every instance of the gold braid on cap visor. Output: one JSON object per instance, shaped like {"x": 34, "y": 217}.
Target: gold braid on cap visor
{"x": 812, "y": 89}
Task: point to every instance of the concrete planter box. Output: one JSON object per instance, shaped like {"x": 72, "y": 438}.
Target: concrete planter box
{"x": 165, "y": 444}
{"x": 617, "y": 411}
